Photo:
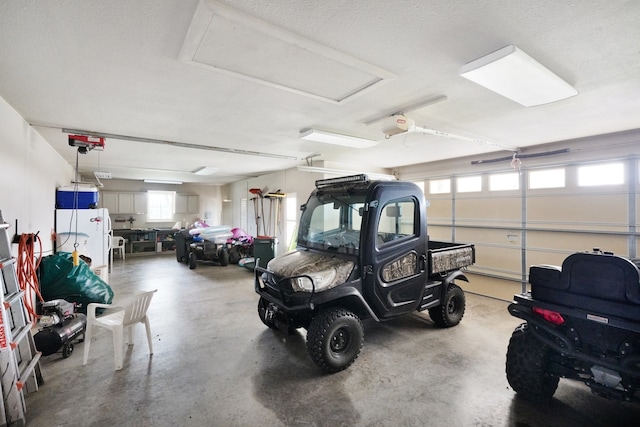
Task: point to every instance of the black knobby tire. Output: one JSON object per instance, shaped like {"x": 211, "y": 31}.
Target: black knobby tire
{"x": 234, "y": 255}
{"x": 334, "y": 339}
{"x": 526, "y": 366}
{"x": 262, "y": 313}
{"x": 451, "y": 311}
{"x": 224, "y": 257}
{"x": 193, "y": 260}
{"x": 182, "y": 255}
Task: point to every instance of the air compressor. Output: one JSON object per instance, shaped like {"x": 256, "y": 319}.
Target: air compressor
{"x": 60, "y": 326}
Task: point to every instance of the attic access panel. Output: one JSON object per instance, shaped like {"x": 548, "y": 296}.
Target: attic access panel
{"x": 227, "y": 41}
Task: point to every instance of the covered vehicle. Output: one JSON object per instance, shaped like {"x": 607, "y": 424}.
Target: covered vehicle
{"x": 203, "y": 243}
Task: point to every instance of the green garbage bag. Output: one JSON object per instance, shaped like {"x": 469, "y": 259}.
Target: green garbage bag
{"x": 59, "y": 279}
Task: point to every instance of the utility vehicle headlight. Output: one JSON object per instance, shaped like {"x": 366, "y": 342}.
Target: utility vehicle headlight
{"x": 323, "y": 280}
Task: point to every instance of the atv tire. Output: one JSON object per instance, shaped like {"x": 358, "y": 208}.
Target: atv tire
{"x": 334, "y": 339}
{"x": 526, "y": 366}
{"x": 193, "y": 260}
{"x": 234, "y": 255}
{"x": 223, "y": 257}
{"x": 451, "y": 311}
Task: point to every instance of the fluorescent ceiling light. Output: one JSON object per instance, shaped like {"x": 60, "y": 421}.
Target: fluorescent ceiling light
{"x": 515, "y": 75}
{"x": 205, "y": 170}
{"x": 339, "y": 172}
{"x": 102, "y": 175}
{"x": 161, "y": 181}
{"x": 336, "y": 138}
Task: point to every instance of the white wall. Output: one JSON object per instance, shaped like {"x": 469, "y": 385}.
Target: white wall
{"x": 30, "y": 172}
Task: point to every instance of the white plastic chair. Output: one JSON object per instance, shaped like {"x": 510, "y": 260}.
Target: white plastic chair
{"x": 126, "y": 313}
{"x": 118, "y": 245}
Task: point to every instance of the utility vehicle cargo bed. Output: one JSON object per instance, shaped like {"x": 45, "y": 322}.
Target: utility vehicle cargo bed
{"x": 445, "y": 256}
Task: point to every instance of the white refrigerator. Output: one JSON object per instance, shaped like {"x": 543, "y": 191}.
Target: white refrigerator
{"x": 87, "y": 230}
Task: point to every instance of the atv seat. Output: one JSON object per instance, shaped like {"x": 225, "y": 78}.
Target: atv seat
{"x": 596, "y": 282}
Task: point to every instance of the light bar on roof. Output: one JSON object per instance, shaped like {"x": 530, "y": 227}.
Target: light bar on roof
{"x": 342, "y": 180}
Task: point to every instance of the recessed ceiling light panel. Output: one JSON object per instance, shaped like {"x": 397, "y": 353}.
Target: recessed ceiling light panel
{"x": 515, "y": 75}
{"x": 161, "y": 181}
{"x": 205, "y": 170}
{"x": 336, "y": 138}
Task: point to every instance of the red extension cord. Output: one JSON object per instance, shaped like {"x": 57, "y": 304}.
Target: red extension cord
{"x": 26, "y": 269}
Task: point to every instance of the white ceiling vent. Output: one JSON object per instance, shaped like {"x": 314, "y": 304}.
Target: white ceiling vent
{"x": 227, "y": 41}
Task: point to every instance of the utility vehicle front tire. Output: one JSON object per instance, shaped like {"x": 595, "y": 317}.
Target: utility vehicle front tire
{"x": 334, "y": 339}
{"x": 451, "y": 311}
{"x": 193, "y": 260}
{"x": 526, "y": 366}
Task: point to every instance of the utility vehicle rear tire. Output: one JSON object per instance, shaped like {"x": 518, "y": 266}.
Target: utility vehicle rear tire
{"x": 334, "y": 339}
{"x": 262, "y": 313}
{"x": 193, "y": 260}
{"x": 451, "y": 311}
{"x": 526, "y": 366}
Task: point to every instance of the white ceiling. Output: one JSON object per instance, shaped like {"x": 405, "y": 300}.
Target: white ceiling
{"x": 249, "y": 75}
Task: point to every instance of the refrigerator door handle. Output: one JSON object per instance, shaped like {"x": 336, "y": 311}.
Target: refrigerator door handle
{"x": 109, "y": 233}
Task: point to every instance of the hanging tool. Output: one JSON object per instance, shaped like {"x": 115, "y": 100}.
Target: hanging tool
{"x": 275, "y": 198}
{"x": 258, "y": 202}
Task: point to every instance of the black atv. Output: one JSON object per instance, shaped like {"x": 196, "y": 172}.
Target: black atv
{"x": 582, "y": 323}
{"x": 190, "y": 251}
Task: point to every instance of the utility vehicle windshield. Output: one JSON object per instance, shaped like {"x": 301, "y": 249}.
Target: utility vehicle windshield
{"x": 332, "y": 222}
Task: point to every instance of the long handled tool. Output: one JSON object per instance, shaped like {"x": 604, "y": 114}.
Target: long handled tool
{"x": 255, "y": 210}
{"x": 275, "y": 198}
{"x": 258, "y": 200}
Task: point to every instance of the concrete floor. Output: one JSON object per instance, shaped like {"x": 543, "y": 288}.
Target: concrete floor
{"x": 216, "y": 364}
